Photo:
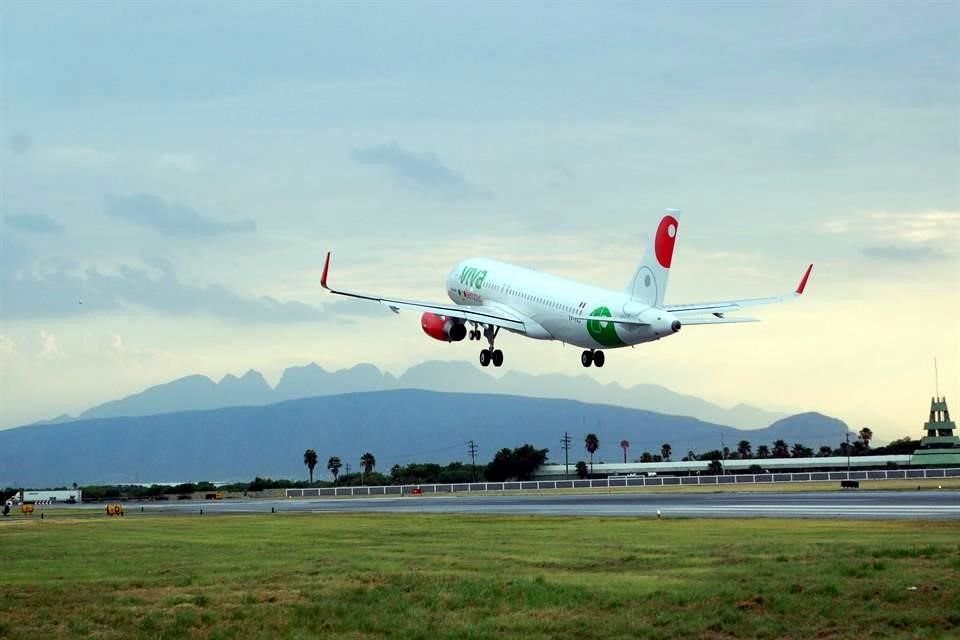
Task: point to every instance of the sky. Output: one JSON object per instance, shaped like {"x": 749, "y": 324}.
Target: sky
{"x": 172, "y": 174}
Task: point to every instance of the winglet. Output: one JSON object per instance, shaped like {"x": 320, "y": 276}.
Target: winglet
{"x": 800, "y": 287}
{"x": 326, "y": 269}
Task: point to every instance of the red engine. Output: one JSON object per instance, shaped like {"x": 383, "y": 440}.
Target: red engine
{"x": 443, "y": 328}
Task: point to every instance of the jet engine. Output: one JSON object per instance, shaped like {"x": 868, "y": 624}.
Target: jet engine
{"x": 443, "y": 328}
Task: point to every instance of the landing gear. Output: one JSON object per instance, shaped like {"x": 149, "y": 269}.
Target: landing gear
{"x": 490, "y": 354}
{"x": 592, "y": 357}
{"x": 475, "y": 334}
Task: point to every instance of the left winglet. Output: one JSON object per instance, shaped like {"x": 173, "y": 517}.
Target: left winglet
{"x": 800, "y": 287}
{"x": 326, "y": 270}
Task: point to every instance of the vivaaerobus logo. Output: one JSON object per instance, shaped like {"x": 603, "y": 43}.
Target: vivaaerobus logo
{"x": 603, "y": 332}
{"x": 473, "y": 277}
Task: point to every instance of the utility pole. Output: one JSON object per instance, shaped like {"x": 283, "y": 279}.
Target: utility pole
{"x": 723, "y": 456}
{"x": 848, "y": 454}
{"x": 565, "y": 442}
{"x": 472, "y": 448}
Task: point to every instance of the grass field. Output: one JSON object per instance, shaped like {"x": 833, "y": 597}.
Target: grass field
{"x": 416, "y": 576}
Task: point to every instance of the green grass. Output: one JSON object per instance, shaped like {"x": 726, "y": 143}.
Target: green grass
{"x": 437, "y": 577}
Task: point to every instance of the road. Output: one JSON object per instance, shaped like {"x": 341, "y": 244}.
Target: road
{"x": 856, "y": 505}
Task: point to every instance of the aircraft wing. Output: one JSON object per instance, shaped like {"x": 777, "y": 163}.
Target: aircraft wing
{"x": 486, "y": 314}
{"x": 718, "y": 309}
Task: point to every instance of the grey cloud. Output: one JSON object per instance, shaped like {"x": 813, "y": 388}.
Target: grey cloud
{"x": 33, "y": 224}
{"x": 64, "y": 293}
{"x": 19, "y": 143}
{"x": 904, "y": 254}
{"x": 169, "y": 218}
{"x": 420, "y": 169}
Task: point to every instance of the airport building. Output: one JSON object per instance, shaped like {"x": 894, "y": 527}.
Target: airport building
{"x": 702, "y": 467}
{"x": 940, "y": 446}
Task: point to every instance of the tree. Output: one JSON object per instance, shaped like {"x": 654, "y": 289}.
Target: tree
{"x": 691, "y": 455}
{"x": 624, "y": 444}
{"x": 763, "y": 451}
{"x": 592, "y": 443}
{"x": 310, "y": 459}
{"x": 520, "y": 463}
{"x": 666, "y": 451}
{"x": 780, "y": 449}
{"x": 646, "y": 457}
{"x": 825, "y": 451}
{"x": 368, "y": 462}
{"x": 333, "y": 466}
{"x": 866, "y": 434}
{"x": 716, "y": 467}
{"x": 744, "y": 449}
{"x": 800, "y": 451}
{"x": 582, "y": 469}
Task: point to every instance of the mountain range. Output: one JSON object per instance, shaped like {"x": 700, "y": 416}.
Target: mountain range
{"x": 198, "y": 392}
{"x": 398, "y": 426}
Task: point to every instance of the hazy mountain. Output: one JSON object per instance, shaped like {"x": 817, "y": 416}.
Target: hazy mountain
{"x": 805, "y": 427}
{"x": 313, "y": 380}
{"x": 397, "y": 426}
{"x": 199, "y": 392}
{"x": 191, "y": 392}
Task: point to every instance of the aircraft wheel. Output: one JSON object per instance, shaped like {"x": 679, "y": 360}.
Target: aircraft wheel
{"x": 497, "y": 358}
{"x": 586, "y": 358}
{"x": 484, "y": 358}
{"x": 598, "y": 358}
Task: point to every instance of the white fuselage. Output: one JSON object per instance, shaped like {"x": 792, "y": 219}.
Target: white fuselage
{"x": 553, "y": 308}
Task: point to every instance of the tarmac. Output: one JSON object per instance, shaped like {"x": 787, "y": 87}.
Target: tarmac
{"x": 845, "y": 505}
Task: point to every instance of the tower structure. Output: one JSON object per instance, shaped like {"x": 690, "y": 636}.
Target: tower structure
{"x": 940, "y": 445}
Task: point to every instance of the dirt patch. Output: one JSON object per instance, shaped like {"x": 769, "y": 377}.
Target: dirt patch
{"x": 752, "y": 604}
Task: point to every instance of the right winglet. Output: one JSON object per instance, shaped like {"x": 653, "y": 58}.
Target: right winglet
{"x": 800, "y": 287}
{"x": 326, "y": 270}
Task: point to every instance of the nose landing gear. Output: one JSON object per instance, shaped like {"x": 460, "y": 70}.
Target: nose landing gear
{"x": 592, "y": 356}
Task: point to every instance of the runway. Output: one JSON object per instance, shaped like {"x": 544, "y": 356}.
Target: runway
{"x": 866, "y": 505}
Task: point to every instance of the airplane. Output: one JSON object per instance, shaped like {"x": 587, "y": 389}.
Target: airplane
{"x": 488, "y": 296}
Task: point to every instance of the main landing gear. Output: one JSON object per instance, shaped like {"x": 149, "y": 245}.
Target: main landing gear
{"x": 489, "y": 354}
{"x": 591, "y": 356}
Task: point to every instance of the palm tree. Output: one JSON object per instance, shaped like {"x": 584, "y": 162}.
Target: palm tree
{"x": 744, "y": 449}
{"x": 825, "y": 451}
{"x": 666, "y": 451}
{"x": 763, "y": 451}
{"x": 333, "y": 466}
{"x": 866, "y": 434}
{"x": 624, "y": 444}
{"x": 592, "y": 443}
{"x": 310, "y": 459}
{"x": 368, "y": 462}
{"x": 780, "y": 449}
{"x": 800, "y": 451}
{"x": 581, "y": 469}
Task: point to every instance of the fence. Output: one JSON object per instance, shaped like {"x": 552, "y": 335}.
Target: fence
{"x": 627, "y": 481}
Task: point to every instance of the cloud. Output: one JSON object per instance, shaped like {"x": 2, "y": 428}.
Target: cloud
{"x": 169, "y": 218}
{"x": 48, "y": 346}
{"x": 422, "y": 170}
{"x": 20, "y": 143}
{"x": 60, "y": 293}
{"x": 915, "y": 253}
{"x": 33, "y": 224}
{"x": 183, "y": 162}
